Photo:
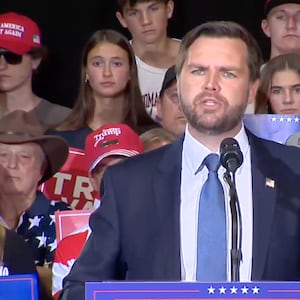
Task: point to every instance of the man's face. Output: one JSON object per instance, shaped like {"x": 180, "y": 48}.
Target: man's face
{"x": 214, "y": 87}
{"x": 282, "y": 26}
{"x": 146, "y": 21}
{"x": 15, "y": 76}
{"x": 169, "y": 111}
{"x": 21, "y": 168}
{"x": 98, "y": 172}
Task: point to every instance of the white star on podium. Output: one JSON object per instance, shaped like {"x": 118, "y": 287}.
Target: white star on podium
{"x": 244, "y": 290}
{"x": 222, "y": 290}
{"x": 255, "y": 290}
{"x": 211, "y": 290}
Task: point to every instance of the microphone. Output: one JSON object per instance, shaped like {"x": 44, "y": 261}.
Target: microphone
{"x": 231, "y": 156}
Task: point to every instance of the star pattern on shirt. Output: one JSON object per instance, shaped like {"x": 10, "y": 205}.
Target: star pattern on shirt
{"x": 42, "y": 240}
{"x": 37, "y": 227}
{"x": 53, "y": 245}
{"x": 52, "y": 217}
{"x": 35, "y": 221}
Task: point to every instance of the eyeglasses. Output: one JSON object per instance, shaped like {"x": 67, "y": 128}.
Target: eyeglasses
{"x": 11, "y": 58}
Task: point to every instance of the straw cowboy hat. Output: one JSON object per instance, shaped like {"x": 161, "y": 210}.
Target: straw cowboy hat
{"x": 19, "y": 127}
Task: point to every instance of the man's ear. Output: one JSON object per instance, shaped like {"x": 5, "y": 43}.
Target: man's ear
{"x": 265, "y": 27}
{"x": 158, "y": 107}
{"x": 93, "y": 182}
{"x": 121, "y": 19}
{"x": 253, "y": 91}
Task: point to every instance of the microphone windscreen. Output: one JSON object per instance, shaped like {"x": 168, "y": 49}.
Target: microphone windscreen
{"x": 231, "y": 156}
{"x": 293, "y": 140}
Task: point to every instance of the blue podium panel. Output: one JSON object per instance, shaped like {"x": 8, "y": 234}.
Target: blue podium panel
{"x": 19, "y": 287}
{"x": 277, "y": 128}
{"x": 191, "y": 290}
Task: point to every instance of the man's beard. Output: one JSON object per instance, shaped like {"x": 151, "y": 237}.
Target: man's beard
{"x": 211, "y": 123}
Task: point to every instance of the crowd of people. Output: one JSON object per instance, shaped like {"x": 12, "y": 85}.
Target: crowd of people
{"x": 150, "y": 114}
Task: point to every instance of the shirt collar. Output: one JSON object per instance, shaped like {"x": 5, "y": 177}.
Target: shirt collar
{"x": 195, "y": 152}
{"x": 40, "y": 206}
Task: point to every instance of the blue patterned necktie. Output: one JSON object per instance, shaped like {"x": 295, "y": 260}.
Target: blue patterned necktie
{"x": 211, "y": 243}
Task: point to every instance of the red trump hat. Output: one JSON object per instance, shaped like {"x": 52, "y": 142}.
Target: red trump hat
{"x": 18, "y": 33}
{"x": 111, "y": 139}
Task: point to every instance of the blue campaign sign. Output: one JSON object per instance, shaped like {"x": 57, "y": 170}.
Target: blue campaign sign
{"x": 16, "y": 287}
{"x": 278, "y": 128}
{"x": 192, "y": 290}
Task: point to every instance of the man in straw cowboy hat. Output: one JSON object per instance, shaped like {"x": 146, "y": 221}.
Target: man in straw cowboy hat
{"x": 28, "y": 158}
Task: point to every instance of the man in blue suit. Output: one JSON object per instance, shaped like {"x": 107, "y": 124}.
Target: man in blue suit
{"x": 146, "y": 228}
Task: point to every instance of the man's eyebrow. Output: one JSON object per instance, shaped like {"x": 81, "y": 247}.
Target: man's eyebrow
{"x": 221, "y": 68}
{"x": 283, "y": 10}
{"x": 196, "y": 65}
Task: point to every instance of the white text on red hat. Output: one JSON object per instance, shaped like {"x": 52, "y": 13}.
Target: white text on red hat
{"x": 11, "y": 29}
{"x": 106, "y": 132}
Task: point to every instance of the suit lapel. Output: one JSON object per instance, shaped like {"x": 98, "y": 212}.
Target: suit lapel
{"x": 167, "y": 201}
{"x": 264, "y": 197}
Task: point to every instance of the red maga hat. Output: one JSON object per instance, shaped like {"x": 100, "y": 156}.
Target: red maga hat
{"x": 18, "y": 33}
{"x": 111, "y": 139}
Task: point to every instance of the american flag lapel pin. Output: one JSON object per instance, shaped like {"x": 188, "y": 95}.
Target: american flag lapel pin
{"x": 270, "y": 183}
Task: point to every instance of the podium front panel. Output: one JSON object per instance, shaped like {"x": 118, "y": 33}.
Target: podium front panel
{"x": 19, "y": 287}
{"x": 191, "y": 290}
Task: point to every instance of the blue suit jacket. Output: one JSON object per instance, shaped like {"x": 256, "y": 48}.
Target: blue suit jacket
{"x": 136, "y": 231}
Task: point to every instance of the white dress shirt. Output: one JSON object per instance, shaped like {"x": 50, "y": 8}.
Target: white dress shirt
{"x": 192, "y": 156}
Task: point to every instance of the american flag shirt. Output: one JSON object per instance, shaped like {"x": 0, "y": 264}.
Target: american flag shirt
{"x": 37, "y": 227}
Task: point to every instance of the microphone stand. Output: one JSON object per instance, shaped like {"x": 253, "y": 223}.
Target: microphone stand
{"x": 236, "y": 227}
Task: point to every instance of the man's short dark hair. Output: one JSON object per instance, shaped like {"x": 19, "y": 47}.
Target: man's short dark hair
{"x": 223, "y": 29}
{"x": 122, "y": 3}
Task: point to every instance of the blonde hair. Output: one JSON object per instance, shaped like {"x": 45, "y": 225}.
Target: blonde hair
{"x": 155, "y": 137}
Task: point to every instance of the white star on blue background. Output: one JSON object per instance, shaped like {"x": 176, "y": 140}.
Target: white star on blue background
{"x": 34, "y": 222}
{"x": 233, "y": 290}
{"x": 42, "y": 240}
{"x": 244, "y": 290}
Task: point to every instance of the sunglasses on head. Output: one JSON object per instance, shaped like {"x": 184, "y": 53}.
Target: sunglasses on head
{"x": 10, "y": 57}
